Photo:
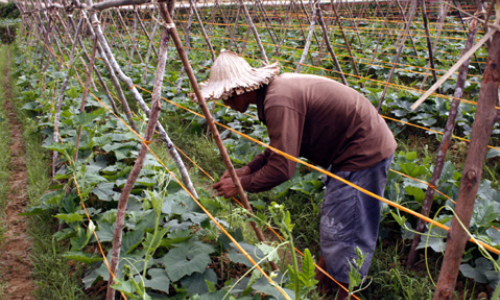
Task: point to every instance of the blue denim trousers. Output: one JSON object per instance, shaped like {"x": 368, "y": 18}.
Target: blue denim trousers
{"x": 350, "y": 218}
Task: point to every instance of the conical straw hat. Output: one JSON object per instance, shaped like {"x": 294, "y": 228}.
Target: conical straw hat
{"x": 231, "y": 73}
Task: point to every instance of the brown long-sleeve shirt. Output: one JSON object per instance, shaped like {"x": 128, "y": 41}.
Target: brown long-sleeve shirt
{"x": 321, "y": 120}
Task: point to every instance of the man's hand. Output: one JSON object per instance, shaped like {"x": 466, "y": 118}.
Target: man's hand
{"x": 225, "y": 187}
{"x": 240, "y": 172}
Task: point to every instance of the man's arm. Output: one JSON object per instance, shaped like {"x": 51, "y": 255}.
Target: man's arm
{"x": 285, "y": 127}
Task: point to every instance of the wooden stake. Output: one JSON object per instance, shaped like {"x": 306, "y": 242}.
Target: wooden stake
{"x": 211, "y": 124}
{"x": 443, "y": 146}
{"x": 486, "y": 115}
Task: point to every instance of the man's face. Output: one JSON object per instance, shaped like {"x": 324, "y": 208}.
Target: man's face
{"x": 239, "y": 102}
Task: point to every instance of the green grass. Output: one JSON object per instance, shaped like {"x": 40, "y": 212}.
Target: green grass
{"x": 4, "y": 151}
{"x": 54, "y": 276}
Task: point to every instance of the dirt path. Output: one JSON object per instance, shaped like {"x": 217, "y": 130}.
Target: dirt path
{"x": 16, "y": 267}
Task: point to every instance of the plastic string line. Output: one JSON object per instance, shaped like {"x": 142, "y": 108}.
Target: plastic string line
{"x": 78, "y": 188}
{"x": 382, "y": 64}
{"x": 239, "y": 203}
{"x": 348, "y": 29}
{"x": 397, "y": 172}
{"x": 394, "y": 171}
{"x": 396, "y": 86}
{"x": 212, "y": 218}
{"x": 194, "y": 199}
{"x": 91, "y": 225}
{"x": 329, "y": 16}
{"x": 290, "y": 157}
{"x": 342, "y": 46}
{"x": 236, "y": 200}
{"x": 385, "y": 117}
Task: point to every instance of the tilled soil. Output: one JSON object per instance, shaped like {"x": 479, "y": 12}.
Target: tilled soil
{"x": 15, "y": 265}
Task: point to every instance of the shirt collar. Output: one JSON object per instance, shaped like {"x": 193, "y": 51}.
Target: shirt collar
{"x": 261, "y": 96}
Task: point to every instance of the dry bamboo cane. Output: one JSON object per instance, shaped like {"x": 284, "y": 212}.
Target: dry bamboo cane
{"x": 188, "y": 43}
{"x": 132, "y": 40}
{"x": 139, "y": 163}
{"x": 330, "y": 49}
{"x": 107, "y": 64}
{"x": 378, "y": 41}
{"x": 70, "y": 40}
{"x": 254, "y": 30}
{"x": 361, "y": 14}
{"x": 84, "y": 96}
{"x": 413, "y": 7}
{"x": 490, "y": 11}
{"x": 150, "y": 38}
{"x": 269, "y": 27}
{"x": 46, "y": 32}
{"x": 96, "y": 70}
{"x": 205, "y": 35}
{"x": 233, "y": 32}
{"x": 55, "y": 135}
{"x": 443, "y": 146}
{"x": 440, "y": 23}
{"x": 224, "y": 17}
{"x": 148, "y": 54}
{"x": 354, "y": 24}
{"x": 406, "y": 22}
{"x": 303, "y": 33}
{"x": 348, "y": 45}
{"x": 213, "y": 128}
{"x": 308, "y": 40}
{"x": 247, "y": 35}
{"x": 286, "y": 19}
{"x": 428, "y": 38}
{"x": 137, "y": 96}
{"x": 486, "y": 116}
{"x": 211, "y": 21}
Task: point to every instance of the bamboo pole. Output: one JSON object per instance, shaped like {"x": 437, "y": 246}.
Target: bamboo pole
{"x": 486, "y": 116}
{"x": 428, "y": 38}
{"x": 203, "y": 31}
{"x": 346, "y": 43}
{"x": 305, "y": 51}
{"x": 55, "y": 135}
{"x": 408, "y": 24}
{"x": 96, "y": 70}
{"x": 84, "y": 95}
{"x": 413, "y": 7}
{"x": 254, "y": 30}
{"x": 139, "y": 163}
{"x": 188, "y": 43}
{"x": 137, "y": 96}
{"x": 211, "y": 124}
{"x": 235, "y": 27}
{"x": 148, "y": 54}
{"x": 150, "y": 38}
{"x": 443, "y": 146}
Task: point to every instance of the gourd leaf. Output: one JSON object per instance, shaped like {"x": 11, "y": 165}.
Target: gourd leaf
{"x": 159, "y": 280}
{"x": 187, "y": 258}
{"x": 196, "y": 283}
{"x": 131, "y": 240}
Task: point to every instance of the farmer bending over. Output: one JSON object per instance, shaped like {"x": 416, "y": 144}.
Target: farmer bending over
{"x": 326, "y": 122}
